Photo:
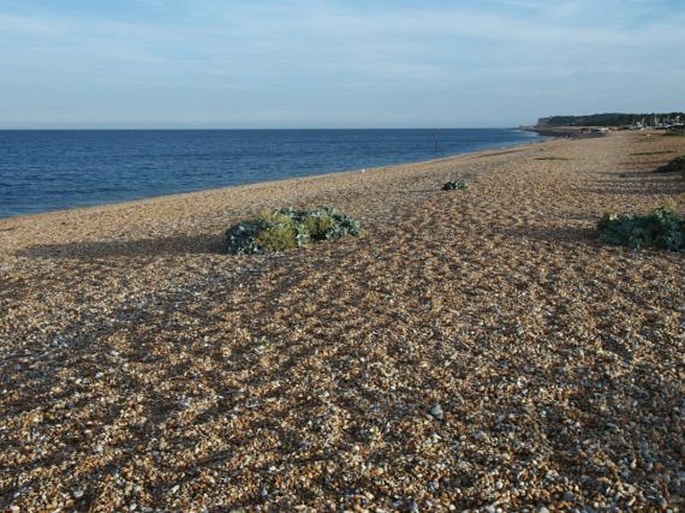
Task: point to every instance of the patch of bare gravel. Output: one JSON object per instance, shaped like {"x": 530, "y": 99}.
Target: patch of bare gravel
{"x": 472, "y": 350}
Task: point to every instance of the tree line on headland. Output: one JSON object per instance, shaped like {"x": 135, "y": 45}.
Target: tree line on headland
{"x": 616, "y": 119}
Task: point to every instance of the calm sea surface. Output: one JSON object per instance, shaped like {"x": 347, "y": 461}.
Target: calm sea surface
{"x": 50, "y": 170}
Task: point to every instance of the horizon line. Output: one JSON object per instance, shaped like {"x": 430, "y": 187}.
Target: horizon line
{"x": 131, "y": 129}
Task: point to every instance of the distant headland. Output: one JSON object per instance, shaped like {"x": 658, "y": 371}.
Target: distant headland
{"x": 651, "y": 120}
{"x": 597, "y": 124}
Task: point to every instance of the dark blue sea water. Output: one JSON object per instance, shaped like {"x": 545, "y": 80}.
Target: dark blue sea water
{"x": 48, "y": 170}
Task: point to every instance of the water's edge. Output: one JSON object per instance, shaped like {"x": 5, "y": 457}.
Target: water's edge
{"x": 191, "y": 185}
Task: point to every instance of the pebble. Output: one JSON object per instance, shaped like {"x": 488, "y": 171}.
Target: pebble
{"x": 436, "y": 412}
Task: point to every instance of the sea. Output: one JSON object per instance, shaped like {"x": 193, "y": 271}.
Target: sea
{"x": 44, "y": 170}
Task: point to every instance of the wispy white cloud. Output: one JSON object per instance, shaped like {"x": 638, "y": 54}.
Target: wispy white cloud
{"x": 41, "y": 26}
{"x": 250, "y": 57}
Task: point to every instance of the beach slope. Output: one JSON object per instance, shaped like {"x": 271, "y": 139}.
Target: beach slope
{"x": 471, "y": 349}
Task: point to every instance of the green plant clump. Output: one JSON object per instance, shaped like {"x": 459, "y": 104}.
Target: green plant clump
{"x": 456, "y": 185}
{"x": 674, "y": 166}
{"x": 286, "y": 228}
{"x": 661, "y": 229}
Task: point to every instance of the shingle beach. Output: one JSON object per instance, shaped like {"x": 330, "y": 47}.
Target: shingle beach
{"x": 471, "y": 350}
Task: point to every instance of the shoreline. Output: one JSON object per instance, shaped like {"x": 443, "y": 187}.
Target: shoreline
{"x": 575, "y": 132}
{"x": 471, "y": 349}
{"x": 479, "y": 153}
{"x": 316, "y": 174}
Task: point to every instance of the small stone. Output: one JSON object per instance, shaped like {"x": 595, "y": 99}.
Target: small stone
{"x": 78, "y": 494}
{"x": 543, "y": 510}
{"x": 479, "y": 435}
{"x": 436, "y": 412}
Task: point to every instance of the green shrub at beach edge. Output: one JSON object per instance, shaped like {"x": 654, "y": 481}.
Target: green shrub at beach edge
{"x": 455, "y": 185}
{"x": 674, "y": 166}
{"x": 287, "y": 228}
{"x": 661, "y": 229}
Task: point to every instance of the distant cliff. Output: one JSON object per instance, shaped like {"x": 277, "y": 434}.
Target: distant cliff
{"x": 615, "y": 119}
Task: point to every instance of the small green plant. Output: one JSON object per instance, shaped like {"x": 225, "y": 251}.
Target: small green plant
{"x": 456, "y": 185}
{"x": 284, "y": 229}
{"x": 277, "y": 237}
{"x": 661, "y": 229}
{"x": 319, "y": 227}
{"x": 674, "y": 166}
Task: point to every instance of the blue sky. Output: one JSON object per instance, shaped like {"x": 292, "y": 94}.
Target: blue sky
{"x": 344, "y": 63}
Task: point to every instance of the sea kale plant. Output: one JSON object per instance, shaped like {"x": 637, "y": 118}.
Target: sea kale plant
{"x": 287, "y": 228}
{"x": 662, "y": 229}
{"x": 674, "y": 166}
{"x": 455, "y": 185}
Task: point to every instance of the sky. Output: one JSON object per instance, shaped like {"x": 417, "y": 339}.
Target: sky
{"x": 334, "y": 63}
